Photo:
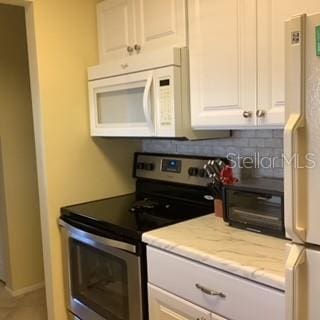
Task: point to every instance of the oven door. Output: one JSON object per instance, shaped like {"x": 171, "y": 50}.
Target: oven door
{"x": 103, "y": 276}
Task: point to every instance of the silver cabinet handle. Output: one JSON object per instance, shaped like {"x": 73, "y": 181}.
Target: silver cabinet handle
{"x": 137, "y": 48}
{"x": 260, "y": 113}
{"x": 247, "y": 114}
{"x": 130, "y": 49}
{"x": 209, "y": 291}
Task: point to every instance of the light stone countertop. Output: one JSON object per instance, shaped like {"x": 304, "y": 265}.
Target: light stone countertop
{"x": 210, "y": 241}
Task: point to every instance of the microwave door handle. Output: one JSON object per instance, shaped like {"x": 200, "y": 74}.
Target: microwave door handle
{"x": 146, "y": 103}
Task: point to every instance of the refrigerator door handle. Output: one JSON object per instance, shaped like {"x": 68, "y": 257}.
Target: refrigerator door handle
{"x": 296, "y": 258}
{"x": 297, "y": 233}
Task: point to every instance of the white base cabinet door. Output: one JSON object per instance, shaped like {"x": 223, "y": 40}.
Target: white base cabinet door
{"x": 166, "y": 306}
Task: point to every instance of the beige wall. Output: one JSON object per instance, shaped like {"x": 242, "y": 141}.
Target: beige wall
{"x": 73, "y": 166}
{"x": 19, "y": 188}
{"x": 3, "y": 226}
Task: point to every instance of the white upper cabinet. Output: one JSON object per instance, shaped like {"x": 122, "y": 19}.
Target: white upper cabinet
{"x": 161, "y": 23}
{"x": 222, "y": 44}
{"x": 116, "y": 29}
{"x": 271, "y": 66}
{"x": 237, "y": 61}
{"x": 131, "y": 27}
{"x": 272, "y": 15}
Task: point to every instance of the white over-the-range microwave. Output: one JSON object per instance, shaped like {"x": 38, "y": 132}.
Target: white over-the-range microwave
{"x": 146, "y": 96}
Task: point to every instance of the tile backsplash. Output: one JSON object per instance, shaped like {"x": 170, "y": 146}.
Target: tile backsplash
{"x": 254, "y": 152}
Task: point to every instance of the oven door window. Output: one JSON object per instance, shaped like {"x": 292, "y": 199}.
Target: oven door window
{"x": 99, "y": 280}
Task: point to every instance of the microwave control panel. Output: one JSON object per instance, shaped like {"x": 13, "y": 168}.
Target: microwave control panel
{"x": 165, "y": 101}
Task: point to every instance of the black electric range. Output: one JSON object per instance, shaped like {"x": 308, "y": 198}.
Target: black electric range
{"x": 169, "y": 189}
{"x": 152, "y": 206}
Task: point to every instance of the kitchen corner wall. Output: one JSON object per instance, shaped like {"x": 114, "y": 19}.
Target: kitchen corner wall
{"x": 19, "y": 207}
{"x": 73, "y": 167}
{"x": 263, "y": 148}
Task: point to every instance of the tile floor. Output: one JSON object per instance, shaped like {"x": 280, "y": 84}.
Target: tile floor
{"x": 31, "y": 306}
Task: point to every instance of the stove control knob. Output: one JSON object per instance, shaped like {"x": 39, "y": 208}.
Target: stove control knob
{"x": 193, "y": 171}
{"x": 149, "y": 166}
{"x": 202, "y": 173}
{"x": 140, "y": 165}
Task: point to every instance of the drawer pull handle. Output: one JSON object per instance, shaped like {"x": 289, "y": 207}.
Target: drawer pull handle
{"x": 209, "y": 291}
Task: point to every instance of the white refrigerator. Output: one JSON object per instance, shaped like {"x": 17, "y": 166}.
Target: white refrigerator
{"x": 302, "y": 167}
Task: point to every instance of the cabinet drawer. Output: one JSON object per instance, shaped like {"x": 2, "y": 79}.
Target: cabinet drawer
{"x": 163, "y": 305}
{"x": 240, "y": 299}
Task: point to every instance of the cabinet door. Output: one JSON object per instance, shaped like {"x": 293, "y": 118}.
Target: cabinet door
{"x": 116, "y": 32}
{"x": 165, "y": 306}
{"x": 160, "y": 24}
{"x": 222, "y": 41}
{"x": 272, "y": 15}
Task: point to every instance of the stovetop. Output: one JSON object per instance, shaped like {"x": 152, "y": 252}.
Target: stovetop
{"x": 129, "y": 216}
{"x": 169, "y": 189}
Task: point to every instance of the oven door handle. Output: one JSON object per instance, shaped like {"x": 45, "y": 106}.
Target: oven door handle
{"x": 90, "y": 238}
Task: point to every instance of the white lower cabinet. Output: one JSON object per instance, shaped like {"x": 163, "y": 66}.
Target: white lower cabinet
{"x": 209, "y": 291}
{"x": 166, "y": 306}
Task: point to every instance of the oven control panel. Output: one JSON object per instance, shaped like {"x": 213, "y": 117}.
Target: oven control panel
{"x": 173, "y": 168}
{"x": 171, "y": 165}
